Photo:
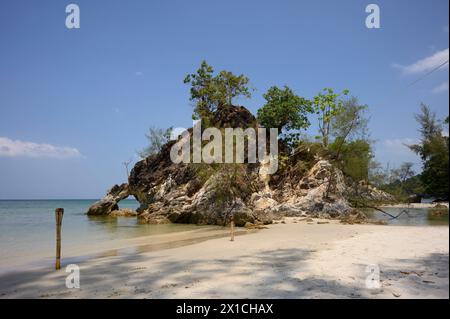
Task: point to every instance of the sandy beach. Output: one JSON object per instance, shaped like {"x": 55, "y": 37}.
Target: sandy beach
{"x": 295, "y": 259}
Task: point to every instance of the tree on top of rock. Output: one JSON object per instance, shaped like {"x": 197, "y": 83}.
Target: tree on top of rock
{"x": 209, "y": 92}
{"x": 285, "y": 111}
{"x": 231, "y": 86}
{"x": 156, "y": 137}
{"x": 327, "y": 105}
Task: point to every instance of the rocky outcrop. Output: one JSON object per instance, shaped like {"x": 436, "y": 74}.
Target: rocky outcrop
{"x": 171, "y": 202}
{"x": 170, "y": 193}
{"x": 175, "y": 203}
{"x": 321, "y": 193}
{"x": 152, "y": 178}
{"x": 110, "y": 202}
{"x": 182, "y": 193}
{"x": 175, "y": 193}
{"x": 368, "y": 193}
{"x": 378, "y": 195}
{"x": 235, "y": 116}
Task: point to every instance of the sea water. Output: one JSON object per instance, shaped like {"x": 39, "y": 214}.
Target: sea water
{"x": 408, "y": 216}
{"x": 27, "y": 229}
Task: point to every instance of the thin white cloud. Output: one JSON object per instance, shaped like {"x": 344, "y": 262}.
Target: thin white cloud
{"x": 138, "y": 73}
{"x": 426, "y": 64}
{"x": 443, "y": 87}
{"x": 445, "y": 29}
{"x": 16, "y": 148}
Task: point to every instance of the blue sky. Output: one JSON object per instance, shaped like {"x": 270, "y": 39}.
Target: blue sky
{"x": 75, "y": 104}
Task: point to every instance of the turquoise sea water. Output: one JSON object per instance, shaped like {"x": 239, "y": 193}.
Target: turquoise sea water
{"x": 27, "y": 228}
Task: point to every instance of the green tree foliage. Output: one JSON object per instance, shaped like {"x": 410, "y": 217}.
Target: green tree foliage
{"x": 434, "y": 152}
{"x": 355, "y": 158}
{"x": 378, "y": 176}
{"x": 351, "y": 121}
{"x": 228, "y": 182}
{"x": 327, "y": 106}
{"x": 404, "y": 172}
{"x": 351, "y": 154}
{"x": 412, "y": 186}
{"x": 347, "y": 124}
{"x": 232, "y": 183}
{"x": 403, "y": 191}
{"x": 285, "y": 111}
{"x": 156, "y": 137}
{"x": 203, "y": 90}
{"x": 400, "y": 182}
{"x": 403, "y": 184}
{"x": 232, "y": 86}
{"x": 210, "y": 92}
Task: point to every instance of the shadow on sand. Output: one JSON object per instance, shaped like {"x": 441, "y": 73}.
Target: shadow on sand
{"x": 269, "y": 274}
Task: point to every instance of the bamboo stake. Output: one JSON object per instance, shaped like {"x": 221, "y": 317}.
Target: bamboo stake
{"x": 59, "y": 212}
{"x": 232, "y": 227}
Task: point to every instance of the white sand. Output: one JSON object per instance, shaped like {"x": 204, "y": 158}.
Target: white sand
{"x": 292, "y": 260}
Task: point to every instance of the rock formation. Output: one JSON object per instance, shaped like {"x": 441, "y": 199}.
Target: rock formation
{"x": 321, "y": 193}
{"x": 179, "y": 193}
{"x": 110, "y": 202}
{"x": 368, "y": 193}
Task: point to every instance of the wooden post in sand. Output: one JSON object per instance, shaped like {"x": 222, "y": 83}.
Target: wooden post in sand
{"x": 59, "y": 212}
{"x": 232, "y": 227}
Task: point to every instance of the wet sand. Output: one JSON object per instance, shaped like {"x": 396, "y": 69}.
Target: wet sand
{"x": 295, "y": 259}
{"x": 80, "y": 253}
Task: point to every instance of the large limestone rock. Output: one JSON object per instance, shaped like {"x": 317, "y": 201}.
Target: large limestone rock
{"x": 321, "y": 192}
{"x": 173, "y": 204}
{"x": 110, "y": 202}
{"x": 179, "y": 197}
{"x": 178, "y": 193}
{"x": 263, "y": 205}
{"x": 174, "y": 193}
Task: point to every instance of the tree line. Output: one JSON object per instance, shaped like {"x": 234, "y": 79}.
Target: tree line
{"x": 433, "y": 150}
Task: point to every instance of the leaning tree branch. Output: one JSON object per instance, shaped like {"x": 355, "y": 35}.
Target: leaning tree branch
{"x": 383, "y": 211}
